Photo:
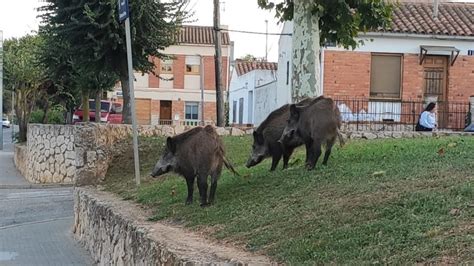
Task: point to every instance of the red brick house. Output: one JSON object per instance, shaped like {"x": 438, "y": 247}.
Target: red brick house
{"x": 175, "y": 96}
{"x": 420, "y": 58}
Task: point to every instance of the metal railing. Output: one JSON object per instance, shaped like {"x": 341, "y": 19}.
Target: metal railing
{"x": 362, "y": 114}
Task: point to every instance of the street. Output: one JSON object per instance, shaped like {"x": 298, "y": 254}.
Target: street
{"x": 35, "y": 223}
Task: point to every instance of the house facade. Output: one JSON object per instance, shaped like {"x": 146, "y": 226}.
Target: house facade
{"x": 252, "y": 92}
{"x": 420, "y": 58}
{"x": 179, "y": 86}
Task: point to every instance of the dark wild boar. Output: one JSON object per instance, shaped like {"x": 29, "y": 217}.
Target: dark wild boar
{"x": 266, "y": 137}
{"x": 197, "y": 153}
{"x": 315, "y": 124}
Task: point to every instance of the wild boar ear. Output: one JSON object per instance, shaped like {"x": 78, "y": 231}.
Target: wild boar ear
{"x": 258, "y": 138}
{"x": 170, "y": 145}
{"x": 294, "y": 111}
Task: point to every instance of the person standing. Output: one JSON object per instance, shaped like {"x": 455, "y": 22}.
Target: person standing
{"x": 427, "y": 121}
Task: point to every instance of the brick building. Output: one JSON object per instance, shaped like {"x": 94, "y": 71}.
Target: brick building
{"x": 175, "y": 96}
{"x": 422, "y": 57}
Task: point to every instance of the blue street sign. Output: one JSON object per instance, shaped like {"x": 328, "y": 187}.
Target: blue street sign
{"x": 123, "y": 9}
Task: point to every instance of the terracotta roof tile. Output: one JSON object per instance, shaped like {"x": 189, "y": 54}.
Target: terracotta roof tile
{"x": 191, "y": 34}
{"x": 454, "y": 19}
{"x": 244, "y": 67}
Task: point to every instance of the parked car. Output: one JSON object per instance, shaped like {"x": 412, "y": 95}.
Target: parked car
{"x": 111, "y": 112}
{"x": 6, "y": 123}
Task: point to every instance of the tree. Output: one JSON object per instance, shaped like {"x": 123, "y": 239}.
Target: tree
{"x": 92, "y": 28}
{"x": 320, "y": 21}
{"x": 23, "y": 74}
{"x": 248, "y": 58}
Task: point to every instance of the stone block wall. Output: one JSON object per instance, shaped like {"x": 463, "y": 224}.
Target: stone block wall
{"x": 81, "y": 154}
{"x": 50, "y": 154}
{"x": 116, "y": 232}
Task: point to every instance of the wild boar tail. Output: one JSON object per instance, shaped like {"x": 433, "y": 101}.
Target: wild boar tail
{"x": 229, "y": 166}
{"x": 340, "y": 138}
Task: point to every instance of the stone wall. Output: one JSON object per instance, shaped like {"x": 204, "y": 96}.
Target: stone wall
{"x": 50, "y": 154}
{"x": 116, "y": 232}
{"x": 20, "y": 158}
{"x": 81, "y": 154}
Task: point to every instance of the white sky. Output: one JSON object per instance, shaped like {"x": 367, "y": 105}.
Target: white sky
{"x": 18, "y": 18}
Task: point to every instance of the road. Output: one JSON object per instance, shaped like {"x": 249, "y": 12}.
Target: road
{"x": 35, "y": 224}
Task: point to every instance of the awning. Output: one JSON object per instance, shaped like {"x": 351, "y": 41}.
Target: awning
{"x": 452, "y": 51}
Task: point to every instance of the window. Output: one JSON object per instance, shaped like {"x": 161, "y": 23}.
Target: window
{"x": 241, "y": 111}
{"x": 192, "y": 65}
{"x": 385, "y": 76}
{"x": 192, "y": 110}
{"x": 287, "y": 72}
{"x": 166, "y": 66}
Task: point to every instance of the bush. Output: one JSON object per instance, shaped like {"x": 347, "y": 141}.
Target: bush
{"x": 55, "y": 115}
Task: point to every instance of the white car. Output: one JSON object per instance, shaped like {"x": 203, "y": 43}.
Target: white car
{"x": 6, "y": 123}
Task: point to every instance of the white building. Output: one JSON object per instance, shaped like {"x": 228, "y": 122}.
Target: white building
{"x": 252, "y": 92}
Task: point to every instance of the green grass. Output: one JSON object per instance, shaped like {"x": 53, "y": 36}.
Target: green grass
{"x": 377, "y": 202}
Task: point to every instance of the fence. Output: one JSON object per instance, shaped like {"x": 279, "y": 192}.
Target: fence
{"x": 187, "y": 122}
{"x": 370, "y": 115}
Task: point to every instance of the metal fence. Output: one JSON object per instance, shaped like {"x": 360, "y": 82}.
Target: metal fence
{"x": 378, "y": 115}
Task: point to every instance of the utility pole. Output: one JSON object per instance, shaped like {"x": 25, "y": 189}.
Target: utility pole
{"x": 201, "y": 68}
{"x": 218, "y": 65}
{"x": 266, "y": 40}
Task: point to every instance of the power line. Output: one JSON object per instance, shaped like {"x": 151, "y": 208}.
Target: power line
{"x": 255, "y": 32}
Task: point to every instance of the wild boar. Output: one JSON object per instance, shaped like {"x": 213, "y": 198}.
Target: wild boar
{"x": 315, "y": 124}
{"x": 266, "y": 138}
{"x": 197, "y": 153}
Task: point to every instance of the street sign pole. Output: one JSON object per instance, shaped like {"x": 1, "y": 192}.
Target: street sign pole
{"x": 1, "y": 89}
{"x": 124, "y": 15}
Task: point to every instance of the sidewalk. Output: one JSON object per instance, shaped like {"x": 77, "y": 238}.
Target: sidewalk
{"x": 9, "y": 176}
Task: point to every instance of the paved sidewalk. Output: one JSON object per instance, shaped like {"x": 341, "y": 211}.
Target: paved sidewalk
{"x": 35, "y": 223}
{"x": 9, "y": 176}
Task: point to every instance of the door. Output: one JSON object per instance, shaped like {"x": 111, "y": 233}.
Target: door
{"x": 435, "y": 70}
{"x": 165, "y": 113}
{"x": 143, "y": 107}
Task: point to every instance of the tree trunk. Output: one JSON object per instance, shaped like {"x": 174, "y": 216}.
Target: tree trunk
{"x": 306, "y": 66}
{"x": 85, "y": 106}
{"x": 127, "y": 107}
{"x": 98, "y": 111}
{"x": 46, "y": 111}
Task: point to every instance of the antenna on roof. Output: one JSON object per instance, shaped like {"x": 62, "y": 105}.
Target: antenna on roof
{"x": 435, "y": 8}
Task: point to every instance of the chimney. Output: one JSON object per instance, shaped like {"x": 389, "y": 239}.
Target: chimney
{"x": 435, "y": 8}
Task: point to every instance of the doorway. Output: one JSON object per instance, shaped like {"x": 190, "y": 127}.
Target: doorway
{"x": 165, "y": 113}
{"x": 435, "y": 71}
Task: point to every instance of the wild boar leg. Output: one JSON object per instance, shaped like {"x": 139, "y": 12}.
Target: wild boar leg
{"x": 275, "y": 160}
{"x": 190, "y": 183}
{"x": 202, "y": 186}
{"x": 212, "y": 192}
{"x": 327, "y": 153}
{"x": 286, "y": 156}
{"x": 314, "y": 151}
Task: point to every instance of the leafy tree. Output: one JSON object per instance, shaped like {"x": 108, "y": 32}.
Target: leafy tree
{"x": 321, "y": 21}
{"x": 23, "y": 74}
{"x": 248, "y": 58}
{"x": 91, "y": 27}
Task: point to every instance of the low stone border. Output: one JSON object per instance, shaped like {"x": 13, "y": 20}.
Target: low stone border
{"x": 116, "y": 232}
{"x": 399, "y": 135}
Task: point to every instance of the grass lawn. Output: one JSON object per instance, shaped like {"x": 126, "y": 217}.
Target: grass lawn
{"x": 377, "y": 202}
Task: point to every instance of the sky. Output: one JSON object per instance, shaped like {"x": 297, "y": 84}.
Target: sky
{"x": 18, "y": 18}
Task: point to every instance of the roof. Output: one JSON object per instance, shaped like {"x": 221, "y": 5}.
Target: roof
{"x": 243, "y": 67}
{"x": 454, "y": 19}
{"x": 191, "y": 34}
